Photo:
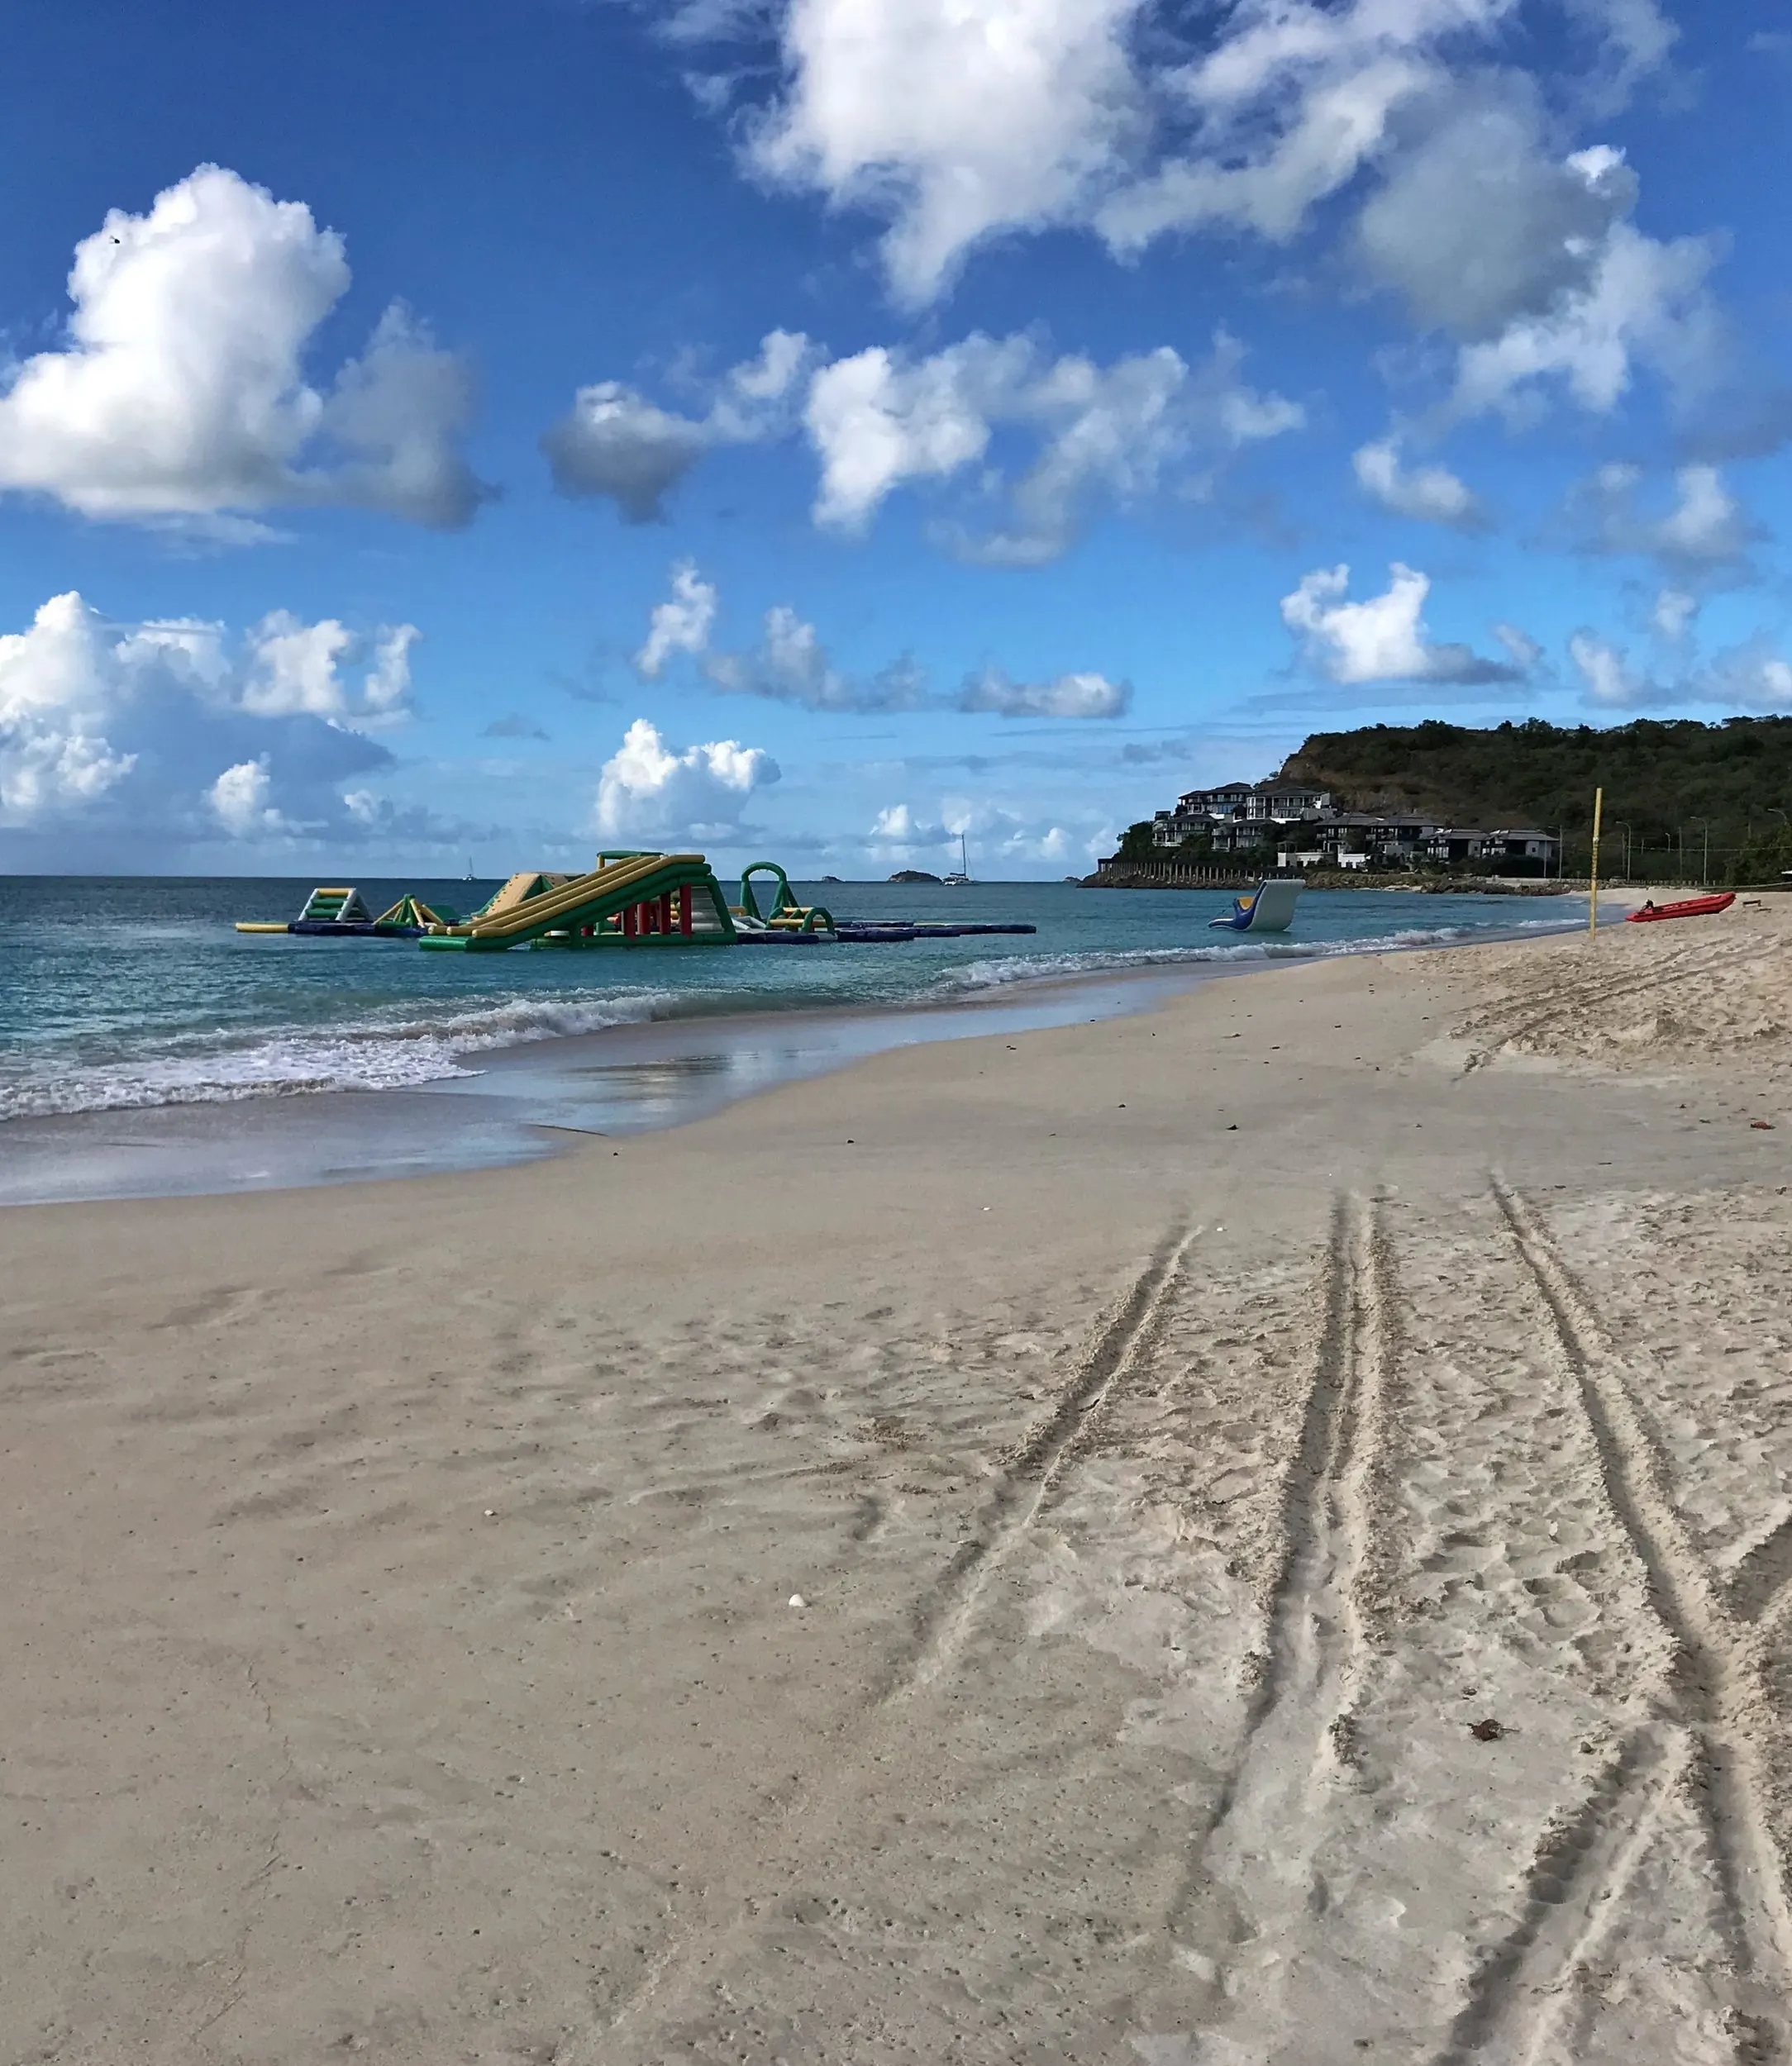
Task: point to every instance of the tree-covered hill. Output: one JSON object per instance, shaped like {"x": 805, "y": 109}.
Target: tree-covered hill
{"x": 1664, "y": 781}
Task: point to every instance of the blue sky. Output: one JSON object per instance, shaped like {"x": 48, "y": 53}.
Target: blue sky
{"x": 822, "y": 426}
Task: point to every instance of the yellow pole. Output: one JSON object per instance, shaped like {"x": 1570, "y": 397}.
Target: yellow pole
{"x": 1592, "y": 903}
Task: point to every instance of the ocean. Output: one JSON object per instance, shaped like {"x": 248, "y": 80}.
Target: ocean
{"x": 125, "y": 993}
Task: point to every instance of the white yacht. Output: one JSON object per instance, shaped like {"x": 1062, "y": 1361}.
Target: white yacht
{"x": 962, "y": 878}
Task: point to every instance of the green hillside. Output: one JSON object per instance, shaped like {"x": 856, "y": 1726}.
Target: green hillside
{"x": 1664, "y": 781}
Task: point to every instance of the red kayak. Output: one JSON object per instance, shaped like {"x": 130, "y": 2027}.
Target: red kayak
{"x": 1691, "y": 907}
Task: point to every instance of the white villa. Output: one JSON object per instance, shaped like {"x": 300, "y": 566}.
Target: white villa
{"x": 1252, "y": 803}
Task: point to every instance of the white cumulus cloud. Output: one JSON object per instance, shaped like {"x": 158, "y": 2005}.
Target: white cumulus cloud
{"x": 1383, "y": 638}
{"x": 172, "y": 730}
{"x": 1771, "y": 688}
{"x": 1707, "y": 525}
{"x": 1706, "y": 532}
{"x": 54, "y": 754}
{"x": 614, "y": 443}
{"x": 387, "y": 684}
{"x": 1292, "y": 101}
{"x": 1432, "y": 493}
{"x": 752, "y": 401}
{"x": 1084, "y": 695}
{"x": 1525, "y": 651}
{"x": 681, "y": 624}
{"x": 1606, "y": 674}
{"x": 896, "y": 825}
{"x": 900, "y": 833}
{"x": 1047, "y": 439}
{"x": 1643, "y": 300}
{"x": 958, "y": 121}
{"x": 181, "y": 394}
{"x": 239, "y": 797}
{"x": 1528, "y": 259}
{"x": 959, "y": 118}
{"x": 876, "y": 420}
{"x": 1674, "y": 614}
{"x": 291, "y": 666}
{"x": 1749, "y": 677}
{"x": 1479, "y": 221}
{"x": 1323, "y": 130}
{"x": 879, "y": 420}
{"x": 650, "y": 793}
{"x": 790, "y": 663}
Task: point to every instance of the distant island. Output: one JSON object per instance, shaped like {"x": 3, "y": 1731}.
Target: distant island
{"x": 913, "y": 875}
{"x": 1683, "y": 801}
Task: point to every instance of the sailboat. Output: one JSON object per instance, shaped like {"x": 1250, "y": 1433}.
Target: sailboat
{"x": 961, "y": 879}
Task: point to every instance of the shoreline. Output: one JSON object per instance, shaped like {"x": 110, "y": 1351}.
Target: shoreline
{"x": 520, "y": 1101}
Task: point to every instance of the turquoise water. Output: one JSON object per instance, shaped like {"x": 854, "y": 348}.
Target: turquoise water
{"x": 122, "y": 993}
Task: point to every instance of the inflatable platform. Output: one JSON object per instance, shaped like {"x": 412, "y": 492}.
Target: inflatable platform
{"x": 342, "y": 914}
{"x": 1269, "y": 908}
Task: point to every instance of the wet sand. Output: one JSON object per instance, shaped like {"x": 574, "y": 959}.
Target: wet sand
{"x": 517, "y": 1103}
{"x": 1253, "y": 1532}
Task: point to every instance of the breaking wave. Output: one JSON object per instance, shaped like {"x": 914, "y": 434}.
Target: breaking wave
{"x": 402, "y": 1044}
{"x": 380, "y": 1054}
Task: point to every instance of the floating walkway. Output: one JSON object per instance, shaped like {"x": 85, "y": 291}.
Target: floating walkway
{"x": 874, "y": 931}
{"x": 866, "y": 932}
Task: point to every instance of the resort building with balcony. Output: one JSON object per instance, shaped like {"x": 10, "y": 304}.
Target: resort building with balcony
{"x": 1303, "y": 827}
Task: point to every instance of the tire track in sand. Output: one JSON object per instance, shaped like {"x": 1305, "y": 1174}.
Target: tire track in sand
{"x": 1546, "y": 1010}
{"x": 1760, "y": 1587}
{"x": 1271, "y": 1820}
{"x": 1571, "y": 1898}
{"x": 1121, "y": 1343}
{"x": 1716, "y": 1684}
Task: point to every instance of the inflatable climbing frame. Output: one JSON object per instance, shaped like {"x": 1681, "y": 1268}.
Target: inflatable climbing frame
{"x": 627, "y": 900}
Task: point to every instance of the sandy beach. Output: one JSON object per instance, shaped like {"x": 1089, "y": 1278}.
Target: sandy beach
{"x": 1260, "y": 1531}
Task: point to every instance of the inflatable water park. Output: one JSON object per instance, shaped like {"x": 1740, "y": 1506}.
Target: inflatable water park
{"x": 629, "y": 899}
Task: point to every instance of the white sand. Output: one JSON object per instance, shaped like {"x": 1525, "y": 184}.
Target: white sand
{"x": 1180, "y": 1430}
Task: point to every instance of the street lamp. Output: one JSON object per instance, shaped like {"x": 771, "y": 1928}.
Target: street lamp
{"x": 1705, "y": 870}
{"x": 1623, "y": 824}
